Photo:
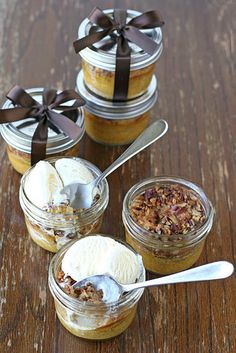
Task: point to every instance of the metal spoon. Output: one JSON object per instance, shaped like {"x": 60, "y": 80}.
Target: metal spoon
{"x": 112, "y": 290}
{"x": 81, "y": 195}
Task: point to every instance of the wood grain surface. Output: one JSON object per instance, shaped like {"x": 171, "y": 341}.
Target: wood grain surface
{"x": 196, "y": 78}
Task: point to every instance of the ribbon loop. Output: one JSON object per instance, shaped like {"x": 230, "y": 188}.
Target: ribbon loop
{"x": 98, "y": 17}
{"x": 18, "y": 96}
{"x": 120, "y": 18}
{"x": 66, "y": 96}
{"x": 149, "y": 19}
{"x": 49, "y": 96}
{"x": 140, "y": 39}
{"x": 94, "y": 37}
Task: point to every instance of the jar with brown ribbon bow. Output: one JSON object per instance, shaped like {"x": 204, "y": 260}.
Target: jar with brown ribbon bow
{"x": 119, "y": 50}
{"x": 39, "y": 123}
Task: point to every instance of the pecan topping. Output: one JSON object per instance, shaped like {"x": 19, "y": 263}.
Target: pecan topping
{"x": 89, "y": 294}
{"x": 86, "y": 293}
{"x": 168, "y": 209}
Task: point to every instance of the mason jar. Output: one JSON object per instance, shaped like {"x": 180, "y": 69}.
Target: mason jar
{"x": 18, "y": 136}
{"x": 52, "y": 230}
{"x": 164, "y": 254}
{"x": 116, "y": 123}
{"x": 90, "y": 320}
{"x": 99, "y": 64}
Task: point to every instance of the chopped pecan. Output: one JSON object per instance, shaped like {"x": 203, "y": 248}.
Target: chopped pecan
{"x": 85, "y": 293}
{"x": 168, "y": 209}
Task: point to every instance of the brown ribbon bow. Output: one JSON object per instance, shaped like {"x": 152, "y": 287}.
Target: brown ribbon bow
{"x": 27, "y": 107}
{"x": 124, "y": 33}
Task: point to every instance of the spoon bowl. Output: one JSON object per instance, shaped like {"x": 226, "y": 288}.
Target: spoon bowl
{"x": 82, "y": 195}
{"x": 112, "y": 290}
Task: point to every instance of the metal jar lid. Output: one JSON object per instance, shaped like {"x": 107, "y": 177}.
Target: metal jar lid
{"x": 117, "y": 110}
{"x": 20, "y": 137}
{"x": 106, "y": 59}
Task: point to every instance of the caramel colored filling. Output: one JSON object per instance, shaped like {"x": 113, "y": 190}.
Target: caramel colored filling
{"x": 166, "y": 261}
{"x": 106, "y": 329}
{"x": 101, "y": 81}
{"x": 50, "y": 239}
{"x": 115, "y": 132}
{"x": 21, "y": 160}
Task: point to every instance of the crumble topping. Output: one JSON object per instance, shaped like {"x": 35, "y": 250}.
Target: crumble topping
{"x": 168, "y": 210}
{"x": 63, "y": 207}
{"x": 86, "y": 293}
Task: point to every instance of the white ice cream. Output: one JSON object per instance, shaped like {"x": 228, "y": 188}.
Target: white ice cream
{"x": 72, "y": 171}
{"x": 44, "y": 182}
{"x": 94, "y": 255}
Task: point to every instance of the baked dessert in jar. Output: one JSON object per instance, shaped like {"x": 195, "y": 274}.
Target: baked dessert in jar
{"x": 167, "y": 220}
{"x": 116, "y": 123}
{"x": 18, "y": 136}
{"x": 50, "y": 219}
{"x": 83, "y": 311}
{"x": 99, "y": 61}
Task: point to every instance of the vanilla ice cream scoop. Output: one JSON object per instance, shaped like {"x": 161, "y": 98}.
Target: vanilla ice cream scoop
{"x": 97, "y": 254}
{"x": 42, "y": 183}
{"x": 72, "y": 171}
{"x": 45, "y": 182}
{"x": 122, "y": 264}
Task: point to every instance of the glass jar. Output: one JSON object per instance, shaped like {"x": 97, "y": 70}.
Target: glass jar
{"x": 52, "y": 230}
{"x": 18, "y": 136}
{"x": 116, "y": 123}
{"x": 99, "y": 64}
{"x": 167, "y": 254}
{"x": 95, "y": 321}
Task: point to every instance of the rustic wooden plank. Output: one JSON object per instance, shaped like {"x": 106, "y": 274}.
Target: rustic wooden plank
{"x": 196, "y": 80}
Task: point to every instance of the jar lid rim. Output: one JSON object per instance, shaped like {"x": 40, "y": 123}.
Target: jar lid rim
{"x": 117, "y": 110}
{"x": 106, "y": 59}
{"x": 22, "y": 139}
{"x": 192, "y": 236}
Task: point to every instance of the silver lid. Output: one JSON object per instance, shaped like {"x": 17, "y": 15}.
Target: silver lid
{"x": 106, "y": 59}
{"x": 117, "y": 110}
{"x": 20, "y": 137}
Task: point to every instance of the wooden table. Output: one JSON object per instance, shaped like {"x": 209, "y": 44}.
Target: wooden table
{"x": 196, "y": 78}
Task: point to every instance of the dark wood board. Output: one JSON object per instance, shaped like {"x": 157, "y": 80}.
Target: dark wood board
{"x": 196, "y": 80}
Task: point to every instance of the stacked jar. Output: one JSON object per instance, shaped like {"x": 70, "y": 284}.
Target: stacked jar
{"x": 117, "y": 122}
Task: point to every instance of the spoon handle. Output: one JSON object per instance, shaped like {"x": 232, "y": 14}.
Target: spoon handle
{"x": 214, "y": 270}
{"x": 149, "y": 135}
